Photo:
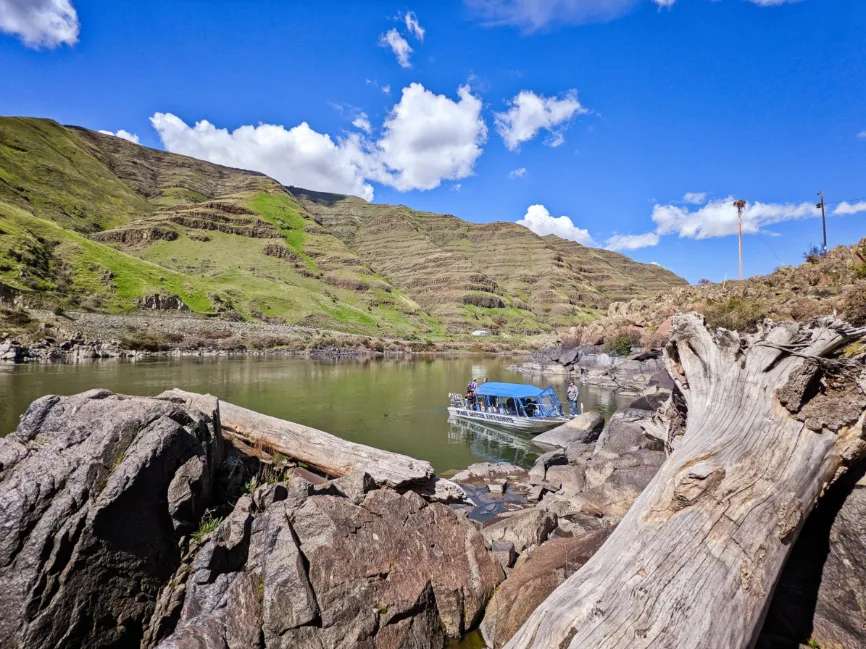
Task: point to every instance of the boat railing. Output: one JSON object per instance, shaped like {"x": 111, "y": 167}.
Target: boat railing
{"x": 457, "y": 400}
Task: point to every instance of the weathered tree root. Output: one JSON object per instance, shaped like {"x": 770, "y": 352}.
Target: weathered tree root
{"x": 694, "y": 563}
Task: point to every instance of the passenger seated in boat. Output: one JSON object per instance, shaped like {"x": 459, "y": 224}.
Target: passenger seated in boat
{"x": 531, "y": 408}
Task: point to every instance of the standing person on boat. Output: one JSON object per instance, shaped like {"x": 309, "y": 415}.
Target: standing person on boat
{"x": 572, "y": 394}
{"x": 473, "y": 384}
{"x": 485, "y": 379}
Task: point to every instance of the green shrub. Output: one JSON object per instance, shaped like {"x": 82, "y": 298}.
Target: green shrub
{"x": 860, "y": 271}
{"x": 736, "y": 314}
{"x": 208, "y": 525}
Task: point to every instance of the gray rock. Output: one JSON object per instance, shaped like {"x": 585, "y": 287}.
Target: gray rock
{"x": 497, "y": 486}
{"x": 568, "y": 357}
{"x": 525, "y": 529}
{"x": 95, "y": 490}
{"x": 503, "y": 552}
{"x": 355, "y": 486}
{"x": 488, "y": 471}
{"x": 624, "y": 433}
{"x": 584, "y": 428}
{"x": 539, "y": 470}
{"x": 569, "y": 478}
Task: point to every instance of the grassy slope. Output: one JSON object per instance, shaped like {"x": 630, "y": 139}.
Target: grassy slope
{"x": 96, "y": 221}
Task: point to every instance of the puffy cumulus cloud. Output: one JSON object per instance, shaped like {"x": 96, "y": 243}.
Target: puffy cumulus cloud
{"x": 632, "y": 241}
{"x": 428, "y": 138}
{"x": 529, "y": 113}
{"x": 296, "y": 156}
{"x": 517, "y": 173}
{"x": 539, "y": 220}
{"x": 718, "y": 218}
{"x": 665, "y": 3}
{"x": 399, "y": 45}
{"x": 532, "y": 15}
{"x": 40, "y": 23}
{"x": 413, "y": 25}
{"x": 124, "y": 135}
{"x": 695, "y": 198}
{"x": 845, "y": 208}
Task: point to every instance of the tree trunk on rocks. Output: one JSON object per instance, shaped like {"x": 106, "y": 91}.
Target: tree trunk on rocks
{"x": 328, "y": 453}
{"x": 771, "y": 423}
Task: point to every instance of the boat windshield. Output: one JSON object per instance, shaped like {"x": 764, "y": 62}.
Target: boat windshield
{"x": 548, "y": 403}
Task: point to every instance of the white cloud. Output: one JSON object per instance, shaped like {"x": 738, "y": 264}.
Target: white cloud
{"x": 530, "y": 113}
{"x": 845, "y": 208}
{"x": 862, "y": 135}
{"x": 772, "y": 3}
{"x": 532, "y": 15}
{"x": 665, "y": 3}
{"x": 297, "y": 156}
{"x": 40, "y": 23}
{"x": 695, "y": 198}
{"x": 362, "y": 122}
{"x": 517, "y": 173}
{"x": 632, "y": 241}
{"x": 413, "y": 26}
{"x": 399, "y": 45}
{"x": 124, "y": 135}
{"x": 718, "y": 218}
{"x": 386, "y": 88}
{"x": 426, "y": 138}
{"x": 539, "y": 220}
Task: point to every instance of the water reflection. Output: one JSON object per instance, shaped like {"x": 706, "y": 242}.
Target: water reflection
{"x": 492, "y": 444}
{"x": 394, "y": 404}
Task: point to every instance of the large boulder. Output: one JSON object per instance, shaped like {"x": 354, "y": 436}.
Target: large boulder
{"x": 531, "y": 582}
{"x": 820, "y": 595}
{"x": 584, "y": 428}
{"x": 525, "y": 529}
{"x": 323, "y": 571}
{"x": 95, "y": 492}
{"x": 625, "y": 432}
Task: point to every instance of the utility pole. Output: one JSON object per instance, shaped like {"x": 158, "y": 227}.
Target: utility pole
{"x": 823, "y": 219}
{"x": 740, "y": 204}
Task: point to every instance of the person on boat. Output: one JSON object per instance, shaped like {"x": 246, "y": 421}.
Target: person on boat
{"x": 530, "y": 407}
{"x": 473, "y": 384}
{"x": 572, "y": 394}
{"x": 485, "y": 379}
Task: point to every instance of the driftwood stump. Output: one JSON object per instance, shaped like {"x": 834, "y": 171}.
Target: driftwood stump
{"x": 770, "y": 423}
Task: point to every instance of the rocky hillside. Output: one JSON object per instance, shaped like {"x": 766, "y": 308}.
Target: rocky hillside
{"x": 93, "y": 222}
{"x": 822, "y": 285}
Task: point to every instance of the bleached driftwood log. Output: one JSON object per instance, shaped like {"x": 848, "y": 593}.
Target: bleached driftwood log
{"x": 326, "y": 452}
{"x": 770, "y": 423}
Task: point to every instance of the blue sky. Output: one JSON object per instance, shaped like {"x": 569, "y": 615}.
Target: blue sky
{"x": 614, "y": 110}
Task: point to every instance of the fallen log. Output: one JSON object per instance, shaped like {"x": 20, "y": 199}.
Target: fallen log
{"x": 326, "y": 452}
{"x": 770, "y": 422}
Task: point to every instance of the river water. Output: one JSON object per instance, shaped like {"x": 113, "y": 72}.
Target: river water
{"x": 394, "y": 404}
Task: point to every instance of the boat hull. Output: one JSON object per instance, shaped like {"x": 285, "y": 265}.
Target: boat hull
{"x": 530, "y": 425}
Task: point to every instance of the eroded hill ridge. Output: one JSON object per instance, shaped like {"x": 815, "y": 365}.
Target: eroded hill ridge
{"x": 93, "y": 221}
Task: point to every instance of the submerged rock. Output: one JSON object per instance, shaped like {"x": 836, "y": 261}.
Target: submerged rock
{"x": 95, "y": 492}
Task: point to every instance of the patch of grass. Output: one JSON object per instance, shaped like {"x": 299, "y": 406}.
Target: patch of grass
{"x": 814, "y": 644}
{"x": 208, "y": 525}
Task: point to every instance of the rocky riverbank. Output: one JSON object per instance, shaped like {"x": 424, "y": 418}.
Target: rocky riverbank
{"x": 594, "y": 366}
{"x": 30, "y": 335}
{"x": 144, "y": 522}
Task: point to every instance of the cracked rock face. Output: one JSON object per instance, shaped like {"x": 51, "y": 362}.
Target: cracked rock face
{"x": 95, "y": 491}
{"x": 321, "y": 571}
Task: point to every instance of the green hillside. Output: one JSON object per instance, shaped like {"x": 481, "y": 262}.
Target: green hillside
{"x": 91, "y": 221}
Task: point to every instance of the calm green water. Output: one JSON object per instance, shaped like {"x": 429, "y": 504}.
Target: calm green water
{"x": 399, "y": 405}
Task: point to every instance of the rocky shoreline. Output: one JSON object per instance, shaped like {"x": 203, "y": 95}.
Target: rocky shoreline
{"x": 42, "y": 336}
{"x": 594, "y": 366}
{"x": 142, "y": 522}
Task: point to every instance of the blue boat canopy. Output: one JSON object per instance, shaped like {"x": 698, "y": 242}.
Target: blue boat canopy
{"x": 516, "y": 390}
